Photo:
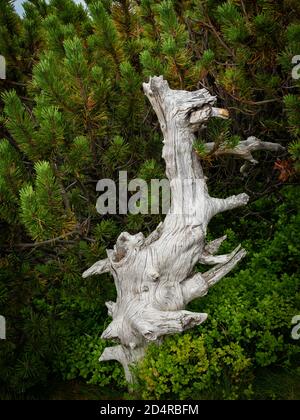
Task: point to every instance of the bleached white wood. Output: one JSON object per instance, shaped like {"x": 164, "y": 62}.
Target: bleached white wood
{"x": 102, "y": 266}
{"x": 244, "y": 150}
{"x": 155, "y": 276}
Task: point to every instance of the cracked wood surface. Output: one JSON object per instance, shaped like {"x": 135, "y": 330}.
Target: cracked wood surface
{"x": 155, "y": 277}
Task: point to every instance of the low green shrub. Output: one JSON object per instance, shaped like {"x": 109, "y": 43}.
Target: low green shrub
{"x": 248, "y": 326}
{"x": 185, "y": 367}
{"x": 81, "y": 359}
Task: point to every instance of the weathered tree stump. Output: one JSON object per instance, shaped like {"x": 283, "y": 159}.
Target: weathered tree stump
{"x": 154, "y": 276}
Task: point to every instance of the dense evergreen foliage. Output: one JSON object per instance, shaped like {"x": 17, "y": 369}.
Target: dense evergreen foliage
{"x": 73, "y": 112}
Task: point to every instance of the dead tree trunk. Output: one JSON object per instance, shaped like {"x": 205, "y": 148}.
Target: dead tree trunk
{"x": 154, "y": 276}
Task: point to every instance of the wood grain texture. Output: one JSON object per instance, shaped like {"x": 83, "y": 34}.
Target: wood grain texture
{"x": 154, "y": 276}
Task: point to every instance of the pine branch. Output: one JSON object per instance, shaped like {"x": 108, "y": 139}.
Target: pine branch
{"x": 48, "y": 241}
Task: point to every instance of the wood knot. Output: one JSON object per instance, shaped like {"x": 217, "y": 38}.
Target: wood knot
{"x": 153, "y": 274}
{"x": 120, "y": 254}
